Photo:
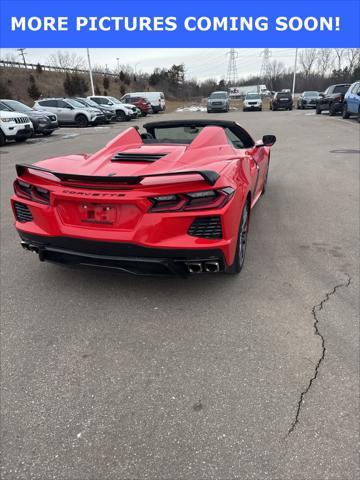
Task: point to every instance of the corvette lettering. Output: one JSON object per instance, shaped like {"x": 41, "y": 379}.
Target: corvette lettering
{"x": 91, "y": 194}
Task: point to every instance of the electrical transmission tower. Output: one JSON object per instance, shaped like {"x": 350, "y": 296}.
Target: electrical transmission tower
{"x": 265, "y": 64}
{"x": 232, "y": 73}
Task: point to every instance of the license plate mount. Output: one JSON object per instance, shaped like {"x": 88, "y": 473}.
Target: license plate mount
{"x": 95, "y": 213}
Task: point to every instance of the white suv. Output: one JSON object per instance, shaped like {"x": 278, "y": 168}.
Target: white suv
{"x": 252, "y": 101}
{"x": 70, "y": 112}
{"x": 122, "y": 111}
{"x": 14, "y": 126}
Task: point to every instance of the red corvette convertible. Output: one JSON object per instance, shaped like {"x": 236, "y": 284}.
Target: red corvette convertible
{"x": 175, "y": 199}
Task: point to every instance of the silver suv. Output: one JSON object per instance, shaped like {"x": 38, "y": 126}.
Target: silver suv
{"x": 122, "y": 111}
{"x": 70, "y": 112}
{"x": 218, "y": 102}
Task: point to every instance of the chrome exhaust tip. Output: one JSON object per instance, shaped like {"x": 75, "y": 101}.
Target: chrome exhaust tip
{"x": 25, "y": 245}
{"x": 194, "y": 267}
{"x": 212, "y": 267}
{"x": 29, "y": 247}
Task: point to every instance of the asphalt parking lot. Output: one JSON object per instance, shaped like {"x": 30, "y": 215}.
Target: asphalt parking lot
{"x": 249, "y": 377}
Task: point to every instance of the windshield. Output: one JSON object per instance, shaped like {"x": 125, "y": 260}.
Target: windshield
{"x": 18, "y": 106}
{"x": 82, "y": 101}
{"x": 91, "y": 103}
{"x": 311, "y": 94}
{"x": 75, "y": 103}
{"x": 178, "y": 134}
{"x": 114, "y": 100}
{"x": 218, "y": 95}
{"x": 4, "y": 107}
{"x": 252, "y": 96}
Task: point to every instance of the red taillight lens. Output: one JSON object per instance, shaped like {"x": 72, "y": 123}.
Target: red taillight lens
{"x": 22, "y": 189}
{"x": 203, "y": 200}
{"x": 30, "y": 192}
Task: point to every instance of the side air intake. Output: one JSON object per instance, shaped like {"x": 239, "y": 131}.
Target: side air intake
{"x": 206, "y": 227}
{"x": 137, "y": 157}
{"x": 22, "y": 212}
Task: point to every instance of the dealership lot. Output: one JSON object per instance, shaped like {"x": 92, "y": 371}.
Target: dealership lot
{"x": 115, "y": 377}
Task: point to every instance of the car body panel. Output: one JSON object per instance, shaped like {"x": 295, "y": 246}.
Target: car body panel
{"x": 111, "y": 196}
{"x": 352, "y": 99}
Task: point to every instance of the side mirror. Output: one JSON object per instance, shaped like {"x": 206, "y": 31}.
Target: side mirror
{"x": 321, "y": 95}
{"x": 268, "y": 140}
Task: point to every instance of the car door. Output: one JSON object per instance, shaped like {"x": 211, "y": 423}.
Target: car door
{"x": 258, "y": 163}
{"x": 353, "y": 98}
{"x": 65, "y": 112}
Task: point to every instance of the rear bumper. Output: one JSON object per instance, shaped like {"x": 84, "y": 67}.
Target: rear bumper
{"x": 124, "y": 257}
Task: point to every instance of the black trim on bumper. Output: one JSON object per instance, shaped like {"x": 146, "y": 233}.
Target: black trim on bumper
{"x": 126, "y": 257}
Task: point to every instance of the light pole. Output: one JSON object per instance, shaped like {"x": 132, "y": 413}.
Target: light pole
{"x": 21, "y": 50}
{"x": 90, "y": 72}
{"x": 295, "y": 68}
{"x": 136, "y": 64}
{"x": 118, "y": 64}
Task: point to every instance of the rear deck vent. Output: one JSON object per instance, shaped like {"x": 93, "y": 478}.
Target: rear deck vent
{"x": 206, "y": 227}
{"x": 137, "y": 157}
{"x": 23, "y": 213}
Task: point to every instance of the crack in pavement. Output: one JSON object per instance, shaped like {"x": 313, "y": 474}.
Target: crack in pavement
{"x": 315, "y": 309}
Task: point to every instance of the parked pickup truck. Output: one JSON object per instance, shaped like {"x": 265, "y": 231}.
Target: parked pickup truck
{"x": 332, "y": 99}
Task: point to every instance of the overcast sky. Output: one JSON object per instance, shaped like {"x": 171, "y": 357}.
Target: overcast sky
{"x": 200, "y": 63}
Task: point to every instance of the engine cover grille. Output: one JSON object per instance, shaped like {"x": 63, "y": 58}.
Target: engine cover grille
{"x": 206, "y": 227}
{"x": 22, "y": 212}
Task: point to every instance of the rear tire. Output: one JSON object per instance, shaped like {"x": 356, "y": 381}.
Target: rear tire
{"x": 46, "y": 134}
{"x": 332, "y": 111}
{"x": 2, "y": 139}
{"x": 81, "y": 121}
{"x": 318, "y": 110}
{"x": 239, "y": 259}
{"x": 345, "y": 113}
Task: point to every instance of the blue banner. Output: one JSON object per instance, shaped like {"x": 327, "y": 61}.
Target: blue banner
{"x": 139, "y": 23}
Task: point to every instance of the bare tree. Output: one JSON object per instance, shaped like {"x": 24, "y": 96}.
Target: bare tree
{"x": 65, "y": 59}
{"x": 325, "y": 60}
{"x": 274, "y": 73}
{"x": 307, "y": 59}
{"x": 339, "y": 54}
{"x": 352, "y": 56}
{"x": 10, "y": 57}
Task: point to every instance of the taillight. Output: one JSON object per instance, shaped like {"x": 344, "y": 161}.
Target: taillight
{"x": 202, "y": 200}
{"x": 31, "y": 192}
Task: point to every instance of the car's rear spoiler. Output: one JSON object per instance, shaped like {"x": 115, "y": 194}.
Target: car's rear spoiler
{"x": 209, "y": 176}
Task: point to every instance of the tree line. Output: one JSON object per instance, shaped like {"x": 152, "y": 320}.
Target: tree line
{"x": 317, "y": 69}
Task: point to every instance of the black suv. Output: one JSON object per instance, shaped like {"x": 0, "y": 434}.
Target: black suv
{"x": 332, "y": 99}
{"x": 281, "y": 100}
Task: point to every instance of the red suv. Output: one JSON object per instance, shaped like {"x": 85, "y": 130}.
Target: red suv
{"x": 142, "y": 103}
